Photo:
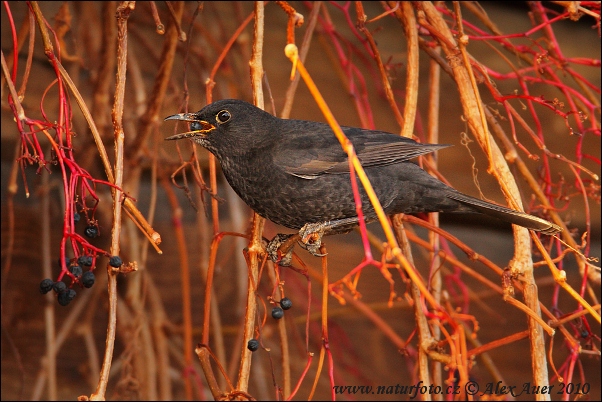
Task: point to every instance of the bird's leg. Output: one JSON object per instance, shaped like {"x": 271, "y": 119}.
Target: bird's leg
{"x": 311, "y": 234}
{"x": 280, "y": 248}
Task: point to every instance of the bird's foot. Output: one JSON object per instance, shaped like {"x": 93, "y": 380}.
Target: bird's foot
{"x": 311, "y": 237}
{"x": 280, "y": 250}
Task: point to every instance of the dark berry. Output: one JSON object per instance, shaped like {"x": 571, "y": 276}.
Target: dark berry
{"x": 286, "y": 303}
{"x": 88, "y": 279}
{"x": 59, "y": 287}
{"x": 46, "y": 286}
{"x": 277, "y": 313}
{"x": 115, "y": 261}
{"x": 91, "y": 231}
{"x": 85, "y": 260}
{"x": 76, "y": 217}
{"x": 76, "y": 270}
{"x": 71, "y": 294}
{"x": 65, "y": 297}
{"x": 253, "y": 345}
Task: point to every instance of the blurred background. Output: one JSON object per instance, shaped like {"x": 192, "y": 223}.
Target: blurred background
{"x": 150, "y": 356}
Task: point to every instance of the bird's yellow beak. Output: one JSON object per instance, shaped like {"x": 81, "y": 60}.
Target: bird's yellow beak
{"x": 206, "y": 127}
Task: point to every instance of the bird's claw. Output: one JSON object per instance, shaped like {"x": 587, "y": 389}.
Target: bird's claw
{"x": 282, "y": 257}
{"x": 311, "y": 238}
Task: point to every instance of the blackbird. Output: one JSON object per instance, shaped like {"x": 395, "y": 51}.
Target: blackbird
{"x": 296, "y": 174}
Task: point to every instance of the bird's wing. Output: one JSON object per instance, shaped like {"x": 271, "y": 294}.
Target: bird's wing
{"x": 316, "y": 154}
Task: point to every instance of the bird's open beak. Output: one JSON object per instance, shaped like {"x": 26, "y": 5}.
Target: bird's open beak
{"x": 205, "y": 126}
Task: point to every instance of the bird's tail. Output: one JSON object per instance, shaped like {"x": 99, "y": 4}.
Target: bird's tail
{"x": 507, "y": 214}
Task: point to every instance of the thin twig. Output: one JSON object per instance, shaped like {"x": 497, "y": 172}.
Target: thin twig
{"x": 255, "y": 246}
{"x": 123, "y": 13}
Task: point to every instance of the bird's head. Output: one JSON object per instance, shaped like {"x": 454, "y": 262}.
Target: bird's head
{"x": 224, "y": 126}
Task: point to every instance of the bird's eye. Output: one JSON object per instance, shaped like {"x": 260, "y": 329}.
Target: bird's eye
{"x": 223, "y": 116}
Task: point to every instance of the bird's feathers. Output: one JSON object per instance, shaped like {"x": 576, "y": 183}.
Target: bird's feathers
{"x": 321, "y": 153}
{"x": 506, "y": 214}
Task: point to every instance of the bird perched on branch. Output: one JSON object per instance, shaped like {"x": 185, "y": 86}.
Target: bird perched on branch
{"x": 296, "y": 174}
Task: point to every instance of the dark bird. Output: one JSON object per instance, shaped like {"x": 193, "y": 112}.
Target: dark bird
{"x": 294, "y": 172}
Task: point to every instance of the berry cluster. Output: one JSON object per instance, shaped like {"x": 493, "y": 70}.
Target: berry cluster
{"x": 65, "y": 295}
{"x": 285, "y": 304}
{"x": 75, "y": 272}
{"x": 277, "y": 313}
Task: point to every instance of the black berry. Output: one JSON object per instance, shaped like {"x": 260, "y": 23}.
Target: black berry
{"x": 76, "y": 270}
{"x": 46, "y": 286}
{"x": 65, "y": 297}
{"x": 91, "y": 231}
{"x": 277, "y": 313}
{"x": 88, "y": 279}
{"x": 59, "y": 287}
{"x": 76, "y": 217}
{"x": 85, "y": 260}
{"x": 115, "y": 261}
{"x": 286, "y": 303}
{"x": 253, "y": 345}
